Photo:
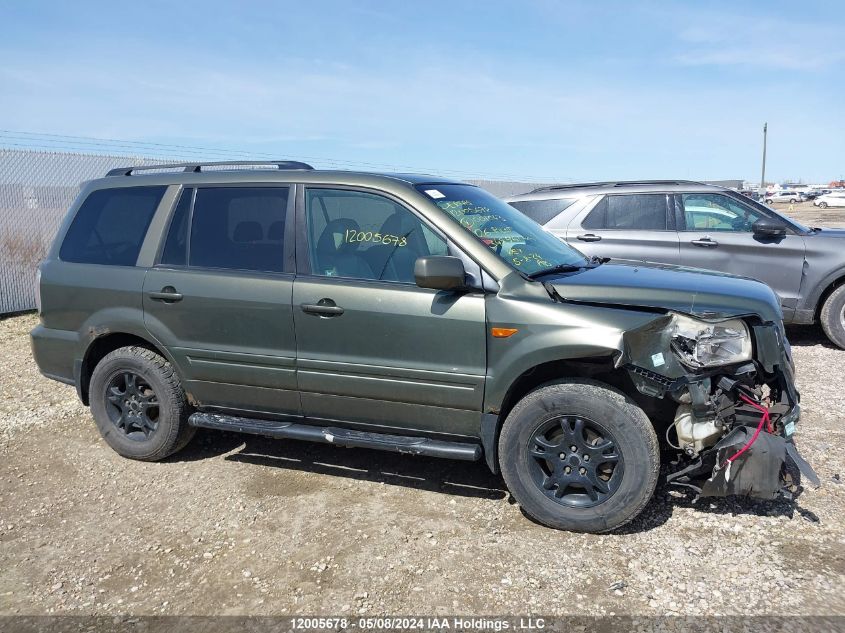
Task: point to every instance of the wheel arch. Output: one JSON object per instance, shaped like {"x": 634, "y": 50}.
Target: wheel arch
{"x": 600, "y": 368}
{"x": 104, "y": 344}
{"x": 828, "y": 287}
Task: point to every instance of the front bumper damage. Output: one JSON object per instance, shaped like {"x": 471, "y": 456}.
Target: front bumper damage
{"x": 725, "y": 446}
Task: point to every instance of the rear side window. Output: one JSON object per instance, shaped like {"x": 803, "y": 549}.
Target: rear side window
{"x": 542, "y": 211}
{"x": 110, "y": 226}
{"x": 638, "y": 212}
{"x": 239, "y": 228}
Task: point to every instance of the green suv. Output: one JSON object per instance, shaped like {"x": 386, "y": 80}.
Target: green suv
{"x": 411, "y": 314}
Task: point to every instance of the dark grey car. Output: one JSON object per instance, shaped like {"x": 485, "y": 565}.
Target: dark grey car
{"x": 702, "y": 226}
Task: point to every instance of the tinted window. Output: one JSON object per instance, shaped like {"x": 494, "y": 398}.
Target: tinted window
{"x": 239, "y": 228}
{"x": 542, "y": 211}
{"x": 365, "y": 236}
{"x": 715, "y": 212}
{"x": 110, "y": 226}
{"x": 175, "y": 250}
{"x": 640, "y": 212}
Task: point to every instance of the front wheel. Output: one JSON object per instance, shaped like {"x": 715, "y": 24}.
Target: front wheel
{"x": 579, "y": 456}
{"x": 139, "y": 405}
{"x": 832, "y": 317}
{"x": 823, "y": 205}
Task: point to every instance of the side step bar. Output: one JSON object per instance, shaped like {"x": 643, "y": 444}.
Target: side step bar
{"x": 339, "y": 437}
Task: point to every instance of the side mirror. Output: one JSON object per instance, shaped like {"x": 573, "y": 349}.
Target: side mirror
{"x": 440, "y": 273}
{"x": 769, "y": 228}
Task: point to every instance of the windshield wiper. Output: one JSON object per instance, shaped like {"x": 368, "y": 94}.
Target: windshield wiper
{"x": 560, "y": 268}
{"x": 591, "y": 262}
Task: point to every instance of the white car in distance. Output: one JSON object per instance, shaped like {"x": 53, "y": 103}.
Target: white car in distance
{"x": 832, "y": 199}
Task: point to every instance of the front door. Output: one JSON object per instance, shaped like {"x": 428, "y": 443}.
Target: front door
{"x": 219, "y": 299}
{"x": 627, "y": 227}
{"x": 716, "y": 234}
{"x": 372, "y": 347}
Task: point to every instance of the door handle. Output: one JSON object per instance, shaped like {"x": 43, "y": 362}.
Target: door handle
{"x": 167, "y": 294}
{"x": 705, "y": 242}
{"x": 323, "y": 308}
{"x": 589, "y": 237}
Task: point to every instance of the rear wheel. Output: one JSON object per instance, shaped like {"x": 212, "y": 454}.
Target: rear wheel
{"x": 579, "y": 456}
{"x": 832, "y": 317}
{"x": 139, "y": 405}
{"x": 823, "y": 205}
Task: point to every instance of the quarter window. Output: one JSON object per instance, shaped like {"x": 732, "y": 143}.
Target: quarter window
{"x": 110, "y": 226}
{"x": 175, "y": 250}
{"x": 716, "y": 212}
{"x": 637, "y": 212}
{"x": 543, "y": 211}
{"x": 239, "y": 228}
{"x": 365, "y": 236}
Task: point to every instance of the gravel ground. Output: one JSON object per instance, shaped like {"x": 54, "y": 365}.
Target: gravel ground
{"x": 809, "y": 215}
{"x": 243, "y": 525}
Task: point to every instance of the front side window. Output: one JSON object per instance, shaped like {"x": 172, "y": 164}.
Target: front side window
{"x": 716, "y": 212}
{"x": 110, "y": 226}
{"x": 632, "y": 212}
{"x": 238, "y": 228}
{"x": 514, "y": 238}
{"x": 365, "y": 236}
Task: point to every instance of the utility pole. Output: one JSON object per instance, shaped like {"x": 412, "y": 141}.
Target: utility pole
{"x": 763, "y": 176}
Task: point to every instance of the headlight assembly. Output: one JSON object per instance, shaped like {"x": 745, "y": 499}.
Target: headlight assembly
{"x": 702, "y": 344}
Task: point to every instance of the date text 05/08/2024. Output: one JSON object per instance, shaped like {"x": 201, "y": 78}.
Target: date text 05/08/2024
{"x": 418, "y": 623}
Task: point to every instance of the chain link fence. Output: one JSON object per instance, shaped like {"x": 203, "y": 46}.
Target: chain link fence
{"x": 38, "y": 187}
{"x": 36, "y": 190}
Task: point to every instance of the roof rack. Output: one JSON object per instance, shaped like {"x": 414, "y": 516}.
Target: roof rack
{"x": 198, "y": 167}
{"x": 616, "y": 183}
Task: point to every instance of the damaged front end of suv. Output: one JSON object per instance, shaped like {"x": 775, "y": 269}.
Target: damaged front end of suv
{"x": 715, "y": 351}
{"x": 732, "y": 379}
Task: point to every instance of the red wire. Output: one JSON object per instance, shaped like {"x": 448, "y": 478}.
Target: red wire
{"x": 763, "y": 420}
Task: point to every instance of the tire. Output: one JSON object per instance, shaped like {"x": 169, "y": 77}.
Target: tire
{"x": 832, "y": 317}
{"x": 601, "y": 409}
{"x": 823, "y": 205}
{"x": 792, "y": 201}
{"x": 145, "y": 417}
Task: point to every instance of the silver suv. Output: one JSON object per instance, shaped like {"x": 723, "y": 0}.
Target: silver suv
{"x": 702, "y": 226}
{"x": 792, "y": 197}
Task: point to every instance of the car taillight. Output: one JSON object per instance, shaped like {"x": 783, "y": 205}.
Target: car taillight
{"x": 38, "y": 291}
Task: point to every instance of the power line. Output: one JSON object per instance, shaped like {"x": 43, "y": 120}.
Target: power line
{"x": 89, "y": 143}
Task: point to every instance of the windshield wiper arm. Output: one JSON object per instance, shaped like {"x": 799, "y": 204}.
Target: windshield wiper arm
{"x": 560, "y": 268}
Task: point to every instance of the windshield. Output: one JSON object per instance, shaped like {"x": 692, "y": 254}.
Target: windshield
{"x": 520, "y": 242}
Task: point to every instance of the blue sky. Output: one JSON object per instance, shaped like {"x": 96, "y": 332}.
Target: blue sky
{"x": 535, "y": 90}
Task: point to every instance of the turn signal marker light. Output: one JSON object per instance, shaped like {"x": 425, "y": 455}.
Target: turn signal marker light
{"x": 503, "y": 332}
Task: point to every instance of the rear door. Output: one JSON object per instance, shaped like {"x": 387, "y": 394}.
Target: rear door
{"x": 219, "y": 297}
{"x": 636, "y": 226}
{"x": 373, "y": 348}
{"x": 716, "y": 234}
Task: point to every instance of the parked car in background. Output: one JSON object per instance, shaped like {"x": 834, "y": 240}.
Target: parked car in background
{"x": 703, "y": 226}
{"x": 815, "y": 193}
{"x": 832, "y": 199}
{"x": 411, "y": 314}
{"x": 793, "y": 197}
{"x": 750, "y": 193}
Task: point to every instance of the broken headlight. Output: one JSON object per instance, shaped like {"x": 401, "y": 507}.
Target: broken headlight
{"x": 704, "y": 344}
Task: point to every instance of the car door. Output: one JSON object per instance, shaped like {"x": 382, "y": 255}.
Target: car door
{"x": 219, "y": 297}
{"x": 373, "y": 348}
{"x": 716, "y": 233}
{"x": 632, "y": 226}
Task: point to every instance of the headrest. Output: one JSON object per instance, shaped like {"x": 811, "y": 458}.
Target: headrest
{"x": 247, "y": 232}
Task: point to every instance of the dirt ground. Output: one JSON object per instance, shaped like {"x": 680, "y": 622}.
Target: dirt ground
{"x": 809, "y": 215}
{"x": 243, "y": 525}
